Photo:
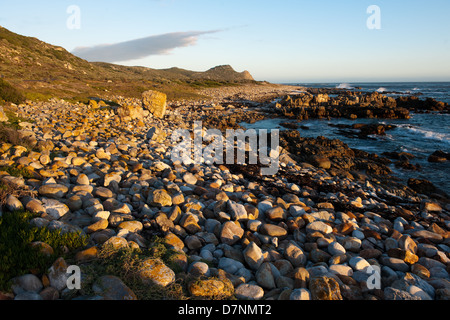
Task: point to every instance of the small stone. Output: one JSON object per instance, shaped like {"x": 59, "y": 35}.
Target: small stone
{"x": 43, "y": 248}
{"x": 265, "y": 277}
{"x": 28, "y": 282}
{"x": 359, "y": 264}
{"x": 13, "y": 204}
{"x": 97, "y": 226}
{"x": 111, "y": 177}
{"x": 352, "y": 244}
{"x": 174, "y": 241}
{"x": 55, "y": 191}
{"x": 247, "y": 291}
{"x": 421, "y": 271}
{"x": 199, "y": 269}
{"x": 103, "y": 193}
{"x": 101, "y": 215}
{"x": 430, "y": 206}
{"x": 396, "y": 294}
{"x": 418, "y": 292}
{"x": 231, "y": 233}
{"x": 301, "y": 277}
{"x": 407, "y": 243}
{"x": 78, "y": 161}
{"x": 300, "y": 294}
{"x": 394, "y": 263}
{"x": 35, "y": 206}
{"x": 87, "y": 254}
{"x": 296, "y": 211}
{"x": 54, "y": 208}
{"x": 236, "y": 210}
{"x": 44, "y": 159}
{"x": 295, "y": 254}
{"x": 324, "y": 288}
{"x": 116, "y": 243}
{"x": 154, "y": 271}
{"x": 319, "y": 226}
{"x": 263, "y": 206}
{"x": 193, "y": 242}
{"x": 49, "y": 294}
{"x": 211, "y": 288}
{"x": 341, "y": 269}
{"x": 57, "y": 274}
{"x": 276, "y": 214}
{"x": 133, "y": 226}
{"x": 253, "y": 256}
{"x": 428, "y": 235}
{"x": 273, "y": 230}
{"x": 189, "y": 222}
{"x": 406, "y": 256}
{"x": 189, "y": 178}
{"x": 335, "y": 248}
{"x": 160, "y": 198}
{"x": 112, "y": 288}
{"x": 102, "y": 155}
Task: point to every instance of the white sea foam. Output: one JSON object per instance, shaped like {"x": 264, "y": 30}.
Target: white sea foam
{"x": 428, "y": 134}
{"x": 380, "y": 90}
{"x": 344, "y": 86}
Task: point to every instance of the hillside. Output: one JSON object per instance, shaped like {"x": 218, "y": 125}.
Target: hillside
{"x": 42, "y": 70}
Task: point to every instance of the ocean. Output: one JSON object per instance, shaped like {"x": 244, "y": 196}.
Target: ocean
{"x": 421, "y": 135}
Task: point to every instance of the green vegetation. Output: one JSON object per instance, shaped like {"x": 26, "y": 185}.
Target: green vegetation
{"x": 9, "y": 130}
{"x": 12, "y": 136}
{"x": 41, "y": 72}
{"x": 125, "y": 263}
{"x": 10, "y": 94}
{"x": 202, "y": 84}
{"x": 13, "y": 119}
{"x": 17, "y": 257}
{"x": 17, "y": 172}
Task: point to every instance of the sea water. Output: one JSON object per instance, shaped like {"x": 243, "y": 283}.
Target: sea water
{"x": 421, "y": 135}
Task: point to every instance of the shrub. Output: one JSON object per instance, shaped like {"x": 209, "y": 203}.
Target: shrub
{"x": 17, "y": 257}
{"x": 125, "y": 263}
{"x": 10, "y": 94}
{"x": 12, "y": 136}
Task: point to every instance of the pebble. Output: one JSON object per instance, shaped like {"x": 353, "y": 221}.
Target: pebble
{"x": 300, "y": 294}
{"x": 56, "y": 191}
{"x": 113, "y": 288}
{"x": 247, "y": 291}
{"x": 253, "y": 256}
{"x": 154, "y": 271}
{"x": 319, "y": 226}
{"x": 13, "y": 204}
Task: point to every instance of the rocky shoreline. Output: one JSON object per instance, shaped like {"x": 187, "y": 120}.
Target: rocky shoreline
{"x": 317, "y": 230}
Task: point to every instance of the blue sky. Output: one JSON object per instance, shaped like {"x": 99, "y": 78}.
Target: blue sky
{"x": 278, "y": 41}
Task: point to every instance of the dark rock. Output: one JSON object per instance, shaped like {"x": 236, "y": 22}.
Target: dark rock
{"x": 421, "y": 186}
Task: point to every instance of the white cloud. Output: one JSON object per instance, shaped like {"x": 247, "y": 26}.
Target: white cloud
{"x": 139, "y": 48}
